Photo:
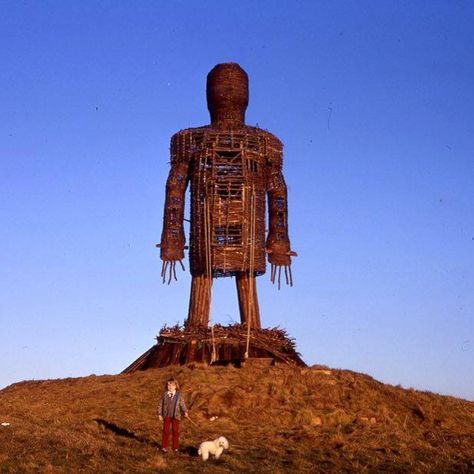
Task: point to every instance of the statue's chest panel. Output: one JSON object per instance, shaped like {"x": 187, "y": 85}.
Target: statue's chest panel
{"x": 228, "y": 182}
{"x": 229, "y": 160}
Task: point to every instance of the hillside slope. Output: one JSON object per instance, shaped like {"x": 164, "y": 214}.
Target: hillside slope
{"x": 277, "y": 419}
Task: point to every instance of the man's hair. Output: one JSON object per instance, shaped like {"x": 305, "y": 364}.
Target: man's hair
{"x": 173, "y": 380}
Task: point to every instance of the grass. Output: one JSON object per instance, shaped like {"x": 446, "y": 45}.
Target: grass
{"x": 299, "y": 420}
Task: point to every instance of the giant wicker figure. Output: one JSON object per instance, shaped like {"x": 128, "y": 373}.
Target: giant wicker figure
{"x": 232, "y": 168}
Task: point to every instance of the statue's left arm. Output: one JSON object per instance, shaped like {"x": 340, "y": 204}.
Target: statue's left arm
{"x": 173, "y": 238}
{"x": 278, "y": 242}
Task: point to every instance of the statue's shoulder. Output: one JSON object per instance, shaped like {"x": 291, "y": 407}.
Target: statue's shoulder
{"x": 269, "y": 138}
{"x": 189, "y": 133}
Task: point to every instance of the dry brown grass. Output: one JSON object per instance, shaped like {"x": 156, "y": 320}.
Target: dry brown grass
{"x": 299, "y": 420}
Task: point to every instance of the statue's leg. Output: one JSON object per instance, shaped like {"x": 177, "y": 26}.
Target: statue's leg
{"x": 248, "y": 300}
{"x": 199, "y": 302}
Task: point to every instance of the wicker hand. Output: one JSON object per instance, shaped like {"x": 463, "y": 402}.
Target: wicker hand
{"x": 279, "y": 256}
{"x": 170, "y": 256}
{"x": 168, "y": 270}
{"x": 288, "y": 276}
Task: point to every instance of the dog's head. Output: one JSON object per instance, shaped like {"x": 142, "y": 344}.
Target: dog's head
{"x": 222, "y": 442}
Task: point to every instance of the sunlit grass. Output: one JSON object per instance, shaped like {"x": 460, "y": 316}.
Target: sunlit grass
{"x": 277, "y": 419}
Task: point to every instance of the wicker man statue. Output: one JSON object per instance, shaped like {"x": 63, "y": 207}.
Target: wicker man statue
{"x": 232, "y": 168}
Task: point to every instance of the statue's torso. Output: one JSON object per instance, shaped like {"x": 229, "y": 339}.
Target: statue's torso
{"x": 228, "y": 172}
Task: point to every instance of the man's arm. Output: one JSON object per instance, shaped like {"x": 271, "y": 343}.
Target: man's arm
{"x": 172, "y": 237}
{"x": 278, "y": 243}
{"x": 182, "y": 406}
{"x": 160, "y": 409}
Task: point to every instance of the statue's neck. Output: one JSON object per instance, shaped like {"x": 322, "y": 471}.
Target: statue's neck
{"x": 227, "y": 118}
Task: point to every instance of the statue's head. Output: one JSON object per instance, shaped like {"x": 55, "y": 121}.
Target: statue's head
{"x": 227, "y": 93}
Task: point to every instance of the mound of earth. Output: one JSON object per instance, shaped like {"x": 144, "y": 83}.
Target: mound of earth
{"x": 276, "y": 418}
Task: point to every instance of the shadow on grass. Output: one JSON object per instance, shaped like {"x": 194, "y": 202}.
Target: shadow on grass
{"x": 119, "y": 431}
{"x": 190, "y": 451}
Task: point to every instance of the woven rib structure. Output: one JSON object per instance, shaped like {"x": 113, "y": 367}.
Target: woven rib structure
{"x": 230, "y": 174}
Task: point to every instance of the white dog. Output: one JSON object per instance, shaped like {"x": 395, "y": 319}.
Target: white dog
{"x": 215, "y": 448}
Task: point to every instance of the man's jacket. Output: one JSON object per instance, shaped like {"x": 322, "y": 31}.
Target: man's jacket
{"x": 174, "y": 407}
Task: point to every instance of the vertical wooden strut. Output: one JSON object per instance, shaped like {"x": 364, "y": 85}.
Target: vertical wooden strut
{"x": 214, "y": 352}
{"x": 209, "y": 275}
{"x": 247, "y": 290}
{"x": 199, "y": 302}
{"x": 250, "y": 301}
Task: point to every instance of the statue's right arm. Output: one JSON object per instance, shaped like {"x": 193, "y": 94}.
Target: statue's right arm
{"x": 172, "y": 237}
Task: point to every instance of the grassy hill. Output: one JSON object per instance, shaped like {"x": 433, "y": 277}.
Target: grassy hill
{"x": 277, "y": 419}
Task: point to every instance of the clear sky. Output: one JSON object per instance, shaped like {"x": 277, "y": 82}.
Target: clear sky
{"x": 374, "y": 102}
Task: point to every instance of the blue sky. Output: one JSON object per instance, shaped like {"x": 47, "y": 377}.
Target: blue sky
{"x": 374, "y": 103}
